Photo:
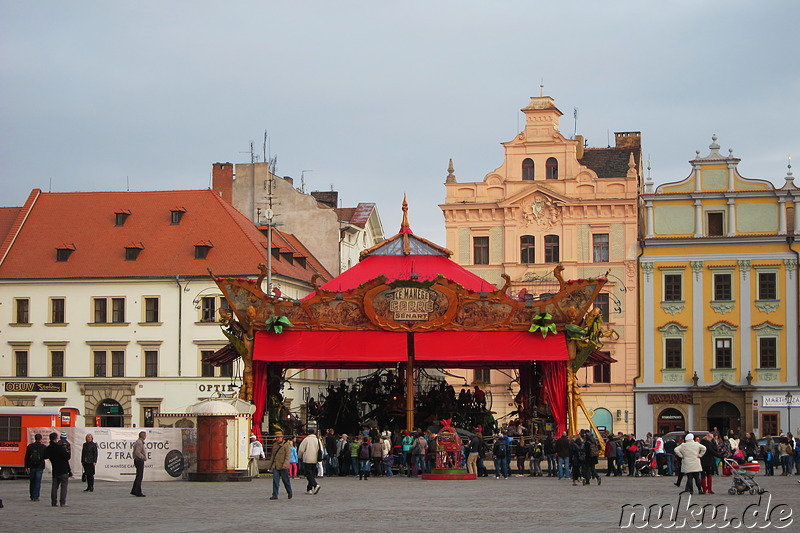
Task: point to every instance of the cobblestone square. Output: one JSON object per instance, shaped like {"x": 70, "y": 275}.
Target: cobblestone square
{"x": 385, "y": 504}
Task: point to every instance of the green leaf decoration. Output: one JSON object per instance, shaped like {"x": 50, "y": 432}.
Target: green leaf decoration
{"x": 543, "y": 323}
{"x": 277, "y": 323}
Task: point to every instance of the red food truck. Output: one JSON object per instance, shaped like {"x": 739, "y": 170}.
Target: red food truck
{"x": 14, "y": 424}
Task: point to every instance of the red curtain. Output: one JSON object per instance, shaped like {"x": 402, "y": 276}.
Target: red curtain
{"x": 259, "y": 395}
{"x": 554, "y": 382}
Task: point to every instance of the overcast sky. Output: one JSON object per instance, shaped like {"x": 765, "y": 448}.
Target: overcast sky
{"x": 373, "y": 98}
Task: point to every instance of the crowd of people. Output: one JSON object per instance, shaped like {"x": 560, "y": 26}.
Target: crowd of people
{"x": 376, "y": 453}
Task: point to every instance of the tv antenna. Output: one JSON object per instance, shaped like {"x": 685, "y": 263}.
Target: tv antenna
{"x": 303, "y": 180}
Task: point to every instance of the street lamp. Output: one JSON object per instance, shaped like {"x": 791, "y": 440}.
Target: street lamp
{"x": 789, "y": 410}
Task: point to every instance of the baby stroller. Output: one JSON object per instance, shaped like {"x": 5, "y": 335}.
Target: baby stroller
{"x": 645, "y": 466}
{"x": 743, "y": 477}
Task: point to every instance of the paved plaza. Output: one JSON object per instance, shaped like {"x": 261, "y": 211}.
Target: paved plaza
{"x": 383, "y": 504}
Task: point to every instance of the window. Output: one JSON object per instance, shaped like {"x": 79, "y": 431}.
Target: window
{"x": 722, "y": 287}
{"x": 57, "y": 363}
{"x": 768, "y": 352}
{"x": 208, "y": 309}
{"x": 480, "y": 250}
{"x": 723, "y": 353}
{"x": 132, "y": 253}
{"x": 101, "y": 310}
{"x": 527, "y": 249}
{"x": 151, "y": 310}
{"x": 21, "y": 363}
{"x": 482, "y": 375}
{"x": 714, "y": 223}
{"x": 673, "y": 290}
{"x": 57, "y": 307}
{"x": 552, "y": 168}
{"x": 117, "y": 310}
{"x": 602, "y": 373}
{"x": 99, "y": 363}
{"x": 22, "y": 310}
{"x": 120, "y": 217}
{"x": 600, "y": 247}
{"x": 527, "y": 169}
{"x": 117, "y": 364}
{"x": 10, "y": 428}
{"x": 207, "y": 370}
{"x": 226, "y": 370}
{"x": 673, "y": 353}
{"x": 176, "y": 216}
{"x": 767, "y": 286}
{"x": 601, "y": 302}
{"x": 551, "y": 249}
{"x": 150, "y": 364}
{"x": 201, "y": 250}
{"x": 62, "y": 254}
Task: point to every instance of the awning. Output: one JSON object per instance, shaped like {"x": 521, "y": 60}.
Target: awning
{"x": 450, "y": 349}
{"x": 596, "y": 357}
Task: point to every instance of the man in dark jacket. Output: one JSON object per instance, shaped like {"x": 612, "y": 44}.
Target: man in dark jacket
{"x": 59, "y": 454}
{"x": 89, "y": 461}
{"x": 34, "y": 462}
{"x": 563, "y": 452}
{"x": 549, "y": 446}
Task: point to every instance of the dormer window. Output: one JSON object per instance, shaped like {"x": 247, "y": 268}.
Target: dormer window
{"x": 201, "y": 249}
{"x": 301, "y": 261}
{"x": 288, "y": 256}
{"x": 132, "y": 251}
{"x": 63, "y": 252}
{"x": 121, "y": 216}
{"x": 177, "y": 214}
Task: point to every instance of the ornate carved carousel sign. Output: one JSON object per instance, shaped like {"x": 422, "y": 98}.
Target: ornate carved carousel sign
{"x": 406, "y": 305}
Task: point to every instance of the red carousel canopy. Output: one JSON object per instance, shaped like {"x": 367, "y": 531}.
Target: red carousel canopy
{"x": 461, "y": 349}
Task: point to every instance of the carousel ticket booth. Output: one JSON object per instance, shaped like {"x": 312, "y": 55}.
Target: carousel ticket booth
{"x": 223, "y": 444}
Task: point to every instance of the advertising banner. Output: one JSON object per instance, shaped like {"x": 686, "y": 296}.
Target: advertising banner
{"x": 171, "y": 453}
{"x": 779, "y": 400}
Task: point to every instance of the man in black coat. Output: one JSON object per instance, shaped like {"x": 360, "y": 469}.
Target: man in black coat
{"x": 34, "y": 462}
{"x": 59, "y": 453}
{"x": 563, "y": 452}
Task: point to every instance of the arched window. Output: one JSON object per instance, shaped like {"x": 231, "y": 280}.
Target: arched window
{"x": 552, "y": 168}
{"x": 527, "y": 169}
{"x": 527, "y": 249}
{"x": 551, "y": 249}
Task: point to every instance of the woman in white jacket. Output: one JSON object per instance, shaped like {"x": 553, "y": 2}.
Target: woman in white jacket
{"x": 690, "y": 453}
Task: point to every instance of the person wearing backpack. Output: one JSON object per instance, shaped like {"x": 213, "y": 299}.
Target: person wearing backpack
{"x": 34, "y": 462}
{"x": 364, "y": 456}
{"x": 592, "y": 457}
{"x": 418, "y": 451}
{"x": 500, "y": 452}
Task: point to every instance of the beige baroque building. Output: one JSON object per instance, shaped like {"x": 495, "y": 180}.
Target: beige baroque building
{"x": 553, "y": 201}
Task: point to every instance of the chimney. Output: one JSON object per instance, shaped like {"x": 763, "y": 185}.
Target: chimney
{"x": 579, "y": 147}
{"x": 628, "y": 139}
{"x": 222, "y": 180}
{"x": 289, "y": 180}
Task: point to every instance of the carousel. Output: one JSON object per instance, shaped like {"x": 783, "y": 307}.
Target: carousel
{"x": 404, "y": 309}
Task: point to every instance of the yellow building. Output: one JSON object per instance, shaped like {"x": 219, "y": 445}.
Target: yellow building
{"x": 719, "y": 302}
{"x": 554, "y": 201}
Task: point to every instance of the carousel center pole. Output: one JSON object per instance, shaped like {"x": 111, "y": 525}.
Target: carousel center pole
{"x": 410, "y": 383}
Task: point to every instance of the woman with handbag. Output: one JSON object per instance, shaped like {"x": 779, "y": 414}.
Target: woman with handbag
{"x": 89, "y": 461}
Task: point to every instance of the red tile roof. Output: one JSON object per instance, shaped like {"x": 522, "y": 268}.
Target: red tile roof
{"x": 87, "y": 221}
